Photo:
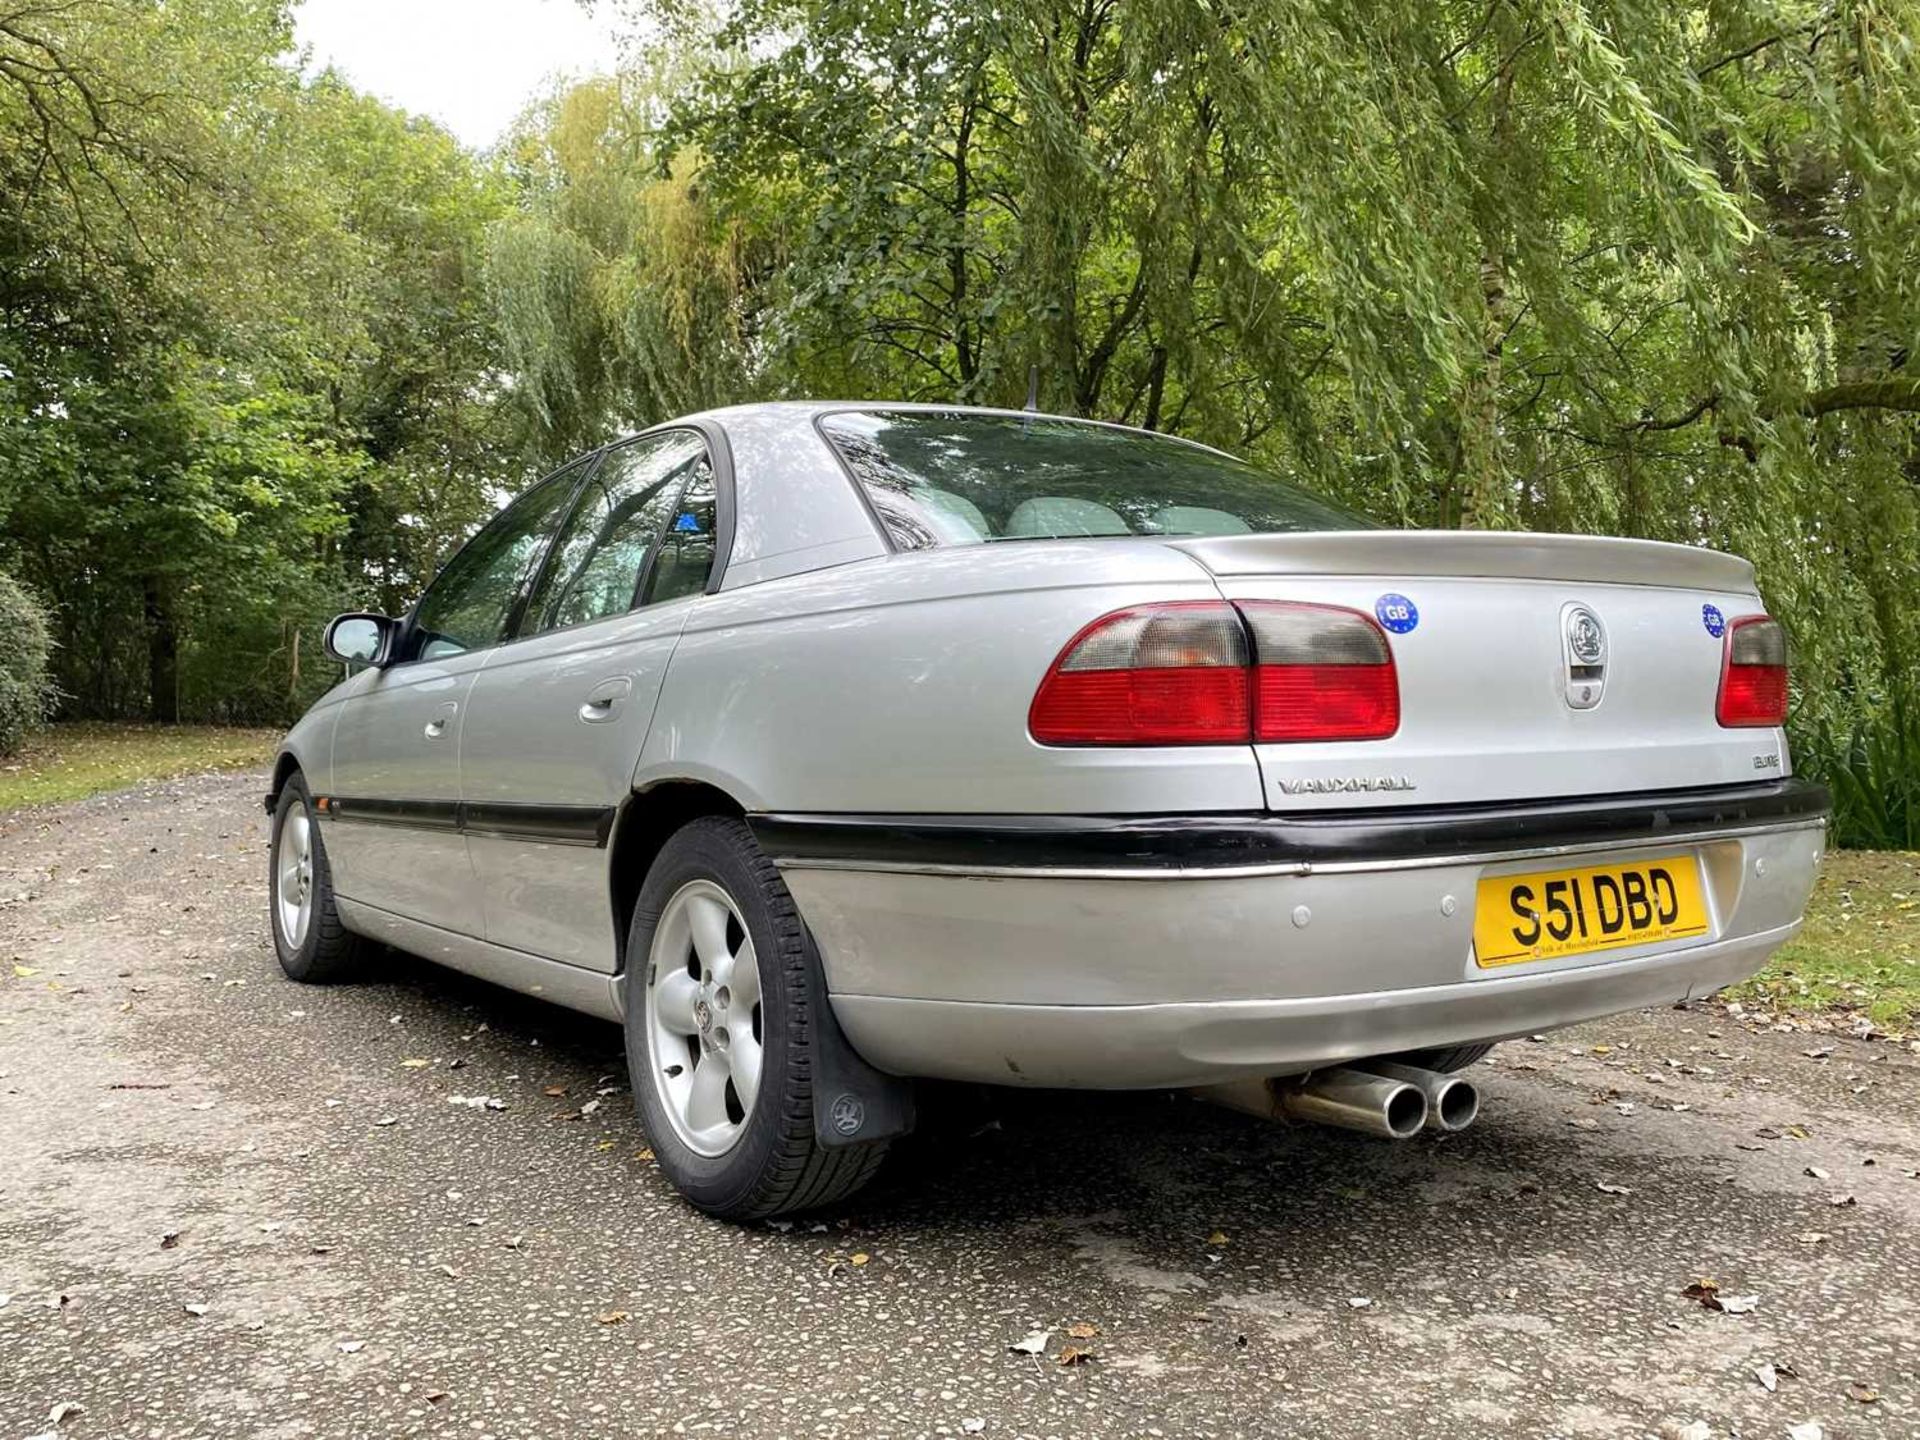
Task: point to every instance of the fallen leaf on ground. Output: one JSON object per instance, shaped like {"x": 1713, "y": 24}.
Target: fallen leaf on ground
{"x": 25, "y": 972}
{"x": 415, "y": 1064}
{"x": 613, "y": 1317}
{"x": 556, "y": 1092}
{"x": 643, "y": 1153}
{"x": 861, "y": 1258}
{"x": 169, "y": 1239}
{"x": 1034, "y": 1342}
{"x": 63, "y": 1409}
{"x": 1608, "y": 1188}
{"x": 448, "y": 1271}
{"x": 1736, "y": 1304}
{"x": 1816, "y": 1172}
{"x": 386, "y": 1120}
{"x": 434, "y": 1397}
{"x": 1806, "y": 1430}
{"x": 589, "y": 1107}
{"x": 1359, "y": 1302}
{"x": 194, "y": 1307}
{"x": 477, "y": 1102}
{"x": 1768, "y": 1377}
{"x": 1865, "y": 1394}
{"x": 972, "y": 1425}
{"x": 1218, "y": 1237}
{"x": 352, "y": 1347}
{"x": 1082, "y": 1330}
{"x": 1074, "y": 1355}
{"x": 1840, "y": 1200}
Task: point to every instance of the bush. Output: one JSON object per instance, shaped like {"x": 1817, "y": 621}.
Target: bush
{"x": 26, "y": 690}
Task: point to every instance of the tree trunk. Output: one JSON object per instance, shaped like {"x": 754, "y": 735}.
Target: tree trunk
{"x": 163, "y": 655}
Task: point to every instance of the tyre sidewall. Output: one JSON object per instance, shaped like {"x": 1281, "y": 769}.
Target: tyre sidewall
{"x": 724, "y": 1183}
{"x": 297, "y": 961}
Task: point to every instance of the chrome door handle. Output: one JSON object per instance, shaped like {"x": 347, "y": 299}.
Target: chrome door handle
{"x": 437, "y": 726}
{"x": 604, "y": 700}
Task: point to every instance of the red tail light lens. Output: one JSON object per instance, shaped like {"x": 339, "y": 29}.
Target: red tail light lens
{"x": 1157, "y": 675}
{"x": 1320, "y": 673}
{"x": 1753, "y": 674}
{"x": 1209, "y": 673}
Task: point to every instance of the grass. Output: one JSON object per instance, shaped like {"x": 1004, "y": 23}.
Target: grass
{"x": 1860, "y": 952}
{"x": 73, "y": 761}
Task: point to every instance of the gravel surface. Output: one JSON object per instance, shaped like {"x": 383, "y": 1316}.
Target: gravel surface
{"x": 230, "y": 1205}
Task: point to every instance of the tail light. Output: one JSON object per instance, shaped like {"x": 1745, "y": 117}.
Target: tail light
{"x": 1210, "y": 673}
{"x": 1753, "y": 674}
{"x": 1158, "y": 675}
{"x": 1320, "y": 673}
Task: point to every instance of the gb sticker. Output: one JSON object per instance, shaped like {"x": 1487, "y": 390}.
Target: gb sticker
{"x": 1397, "y": 613}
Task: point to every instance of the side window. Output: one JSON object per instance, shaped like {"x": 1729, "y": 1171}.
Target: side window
{"x": 686, "y": 551}
{"x": 468, "y": 606}
{"x": 598, "y": 559}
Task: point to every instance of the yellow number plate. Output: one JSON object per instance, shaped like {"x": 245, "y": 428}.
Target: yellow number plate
{"x": 1543, "y": 916}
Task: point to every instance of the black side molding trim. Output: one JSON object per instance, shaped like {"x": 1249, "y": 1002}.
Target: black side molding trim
{"x": 1151, "y": 842}
{"x": 548, "y": 824}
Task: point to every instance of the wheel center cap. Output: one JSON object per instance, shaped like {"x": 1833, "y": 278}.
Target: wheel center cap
{"x": 703, "y": 1015}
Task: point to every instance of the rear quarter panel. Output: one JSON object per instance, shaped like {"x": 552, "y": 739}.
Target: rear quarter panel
{"x": 901, "y": 684}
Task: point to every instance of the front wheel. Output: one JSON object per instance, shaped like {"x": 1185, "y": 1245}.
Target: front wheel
{"x": 719, "y": 1031}
{"x": 313, "y": 946}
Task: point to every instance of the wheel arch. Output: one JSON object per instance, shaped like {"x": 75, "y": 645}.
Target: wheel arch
{"x": 642, "y": 825}
{"x": 285, "y": 766}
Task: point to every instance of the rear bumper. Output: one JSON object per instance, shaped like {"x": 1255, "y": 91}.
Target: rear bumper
{"x": 1139, "y": 1047}
{"x": 1141, "y": 953}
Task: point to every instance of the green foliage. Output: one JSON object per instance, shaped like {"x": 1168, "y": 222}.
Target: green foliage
{"x": 26, "y": 689}
{"x": 247, "y": 376}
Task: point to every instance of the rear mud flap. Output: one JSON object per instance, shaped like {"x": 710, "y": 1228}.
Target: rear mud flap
{"x": 853, "y": 1103}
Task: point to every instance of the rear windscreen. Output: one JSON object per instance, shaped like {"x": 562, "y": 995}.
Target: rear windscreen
{"x": 963, "y": 478}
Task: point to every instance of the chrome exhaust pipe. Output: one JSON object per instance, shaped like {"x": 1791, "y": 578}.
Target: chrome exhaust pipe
{"x": 1356, "y": 1100}
{"x": 1453, "y": 1101}
{"x": 1349, "y": 1099}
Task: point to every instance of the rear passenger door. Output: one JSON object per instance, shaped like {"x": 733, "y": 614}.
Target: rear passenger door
{"x": 558, "y": 715}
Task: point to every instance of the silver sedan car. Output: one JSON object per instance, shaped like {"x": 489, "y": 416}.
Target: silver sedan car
{"x": 833, "y": 747}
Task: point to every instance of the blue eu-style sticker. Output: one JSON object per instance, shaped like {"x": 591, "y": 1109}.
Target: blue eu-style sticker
{"x": 1397, "y": 613}
{"x": 1715, "y": 622}
{"x": 686, "y": 522}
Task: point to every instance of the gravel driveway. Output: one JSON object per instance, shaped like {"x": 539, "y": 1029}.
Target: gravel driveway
{"x": 234, "y": 1206}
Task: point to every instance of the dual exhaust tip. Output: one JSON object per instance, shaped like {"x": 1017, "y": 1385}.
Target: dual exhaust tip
{"x": 1374, "y": 1097}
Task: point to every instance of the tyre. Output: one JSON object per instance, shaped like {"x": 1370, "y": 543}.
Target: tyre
{"x": 720, "y": 995}
{"x": 1448, "y": 1060}
{"x": 313, "y": 946}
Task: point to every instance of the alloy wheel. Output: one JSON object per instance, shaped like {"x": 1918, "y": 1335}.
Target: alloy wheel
{"x": 703, "y": 1017}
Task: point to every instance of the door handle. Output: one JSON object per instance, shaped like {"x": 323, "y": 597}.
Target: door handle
{"x": 604, "y": 700}
{"x": 437, "y": 726}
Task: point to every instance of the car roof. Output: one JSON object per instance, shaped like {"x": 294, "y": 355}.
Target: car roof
{"x": 804, "y": 412}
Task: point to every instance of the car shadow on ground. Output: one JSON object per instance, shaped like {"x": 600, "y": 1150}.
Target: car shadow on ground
{"x": 993, "y": 1160}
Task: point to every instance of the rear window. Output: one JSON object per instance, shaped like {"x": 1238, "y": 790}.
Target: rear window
{"x": 956, "y": 477}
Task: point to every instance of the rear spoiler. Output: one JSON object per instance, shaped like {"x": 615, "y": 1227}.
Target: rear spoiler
{"x": 1474, "y": 553}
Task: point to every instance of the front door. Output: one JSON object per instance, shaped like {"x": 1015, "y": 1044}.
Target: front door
{"x": 558, "y": 716}
{"x": 394, "y": 834}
